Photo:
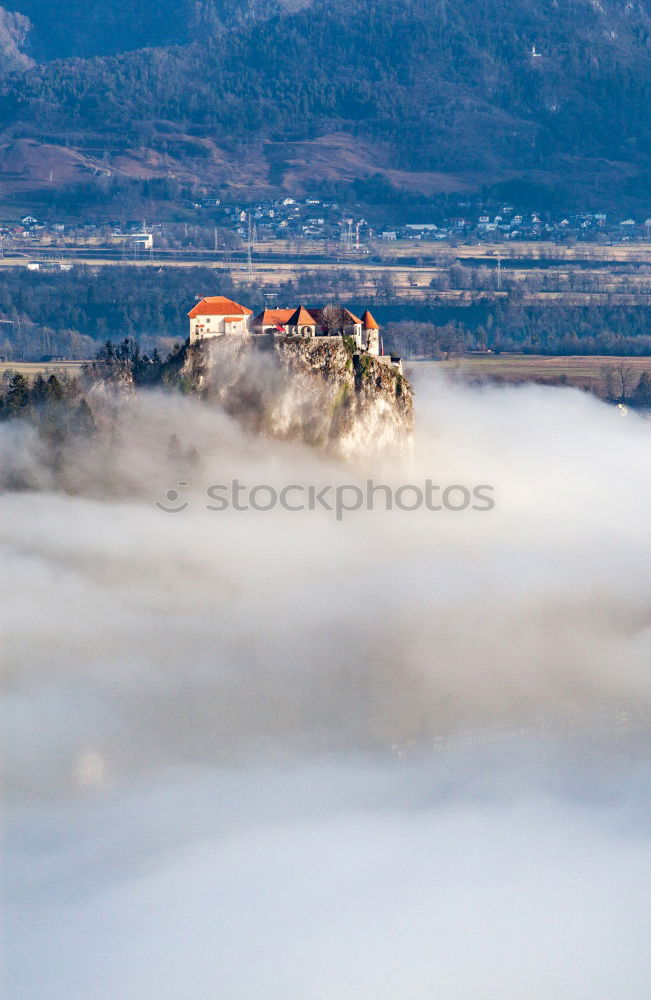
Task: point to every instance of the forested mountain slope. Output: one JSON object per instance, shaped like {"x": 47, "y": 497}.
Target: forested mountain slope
{"x": 106, "y": 27}
{"x": 452, "y": 92}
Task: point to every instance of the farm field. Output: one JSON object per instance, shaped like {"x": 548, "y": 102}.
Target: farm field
{"x": 33, "y": 368}
{"x": 620, "y": 253}
{"x": 638, "y": 252}
{"x": 541, "y": 275}
{"x": 413, "y": 283}
{"x": 579, "y": 371}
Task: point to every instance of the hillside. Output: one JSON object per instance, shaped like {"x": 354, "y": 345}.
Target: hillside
{"x": 427, "y": 97}
{"x": 87, "y": 28}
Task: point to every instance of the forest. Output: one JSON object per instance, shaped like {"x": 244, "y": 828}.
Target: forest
{"x": 68, "y": 314}
{"x": 440, "y": 87}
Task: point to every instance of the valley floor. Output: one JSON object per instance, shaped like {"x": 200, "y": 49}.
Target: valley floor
{"x": 582, "y": 372}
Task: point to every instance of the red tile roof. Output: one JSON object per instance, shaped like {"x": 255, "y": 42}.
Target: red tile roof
{"x": 301, "y": 317}
{"x": 273, "y": 317}
{"x": 218, "y": 305}
{"x": 369, "y": 322}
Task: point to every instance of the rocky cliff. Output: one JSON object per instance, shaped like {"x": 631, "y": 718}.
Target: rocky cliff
{"x": 14, "y": 29}
{"x": 320, "y": 391}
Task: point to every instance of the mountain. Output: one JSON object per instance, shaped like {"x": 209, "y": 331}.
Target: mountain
{"x": 420, "y": 96}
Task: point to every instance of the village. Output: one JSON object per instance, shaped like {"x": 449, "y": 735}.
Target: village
{"x": 208, "y": 224}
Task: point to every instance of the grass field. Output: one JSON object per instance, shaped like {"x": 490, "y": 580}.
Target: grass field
{"x": 579, "y": 371}
{"x": 638, "y": 251}
{"x": 32, "y": 368}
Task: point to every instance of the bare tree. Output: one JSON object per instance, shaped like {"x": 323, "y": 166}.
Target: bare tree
{"x": 608, "y": 381}
{"x": 334, "y": 319}
{"x": 618, "y": 380}
{"x": 624, "y": 378}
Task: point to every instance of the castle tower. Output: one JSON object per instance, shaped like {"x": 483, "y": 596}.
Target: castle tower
{"x": 371, "y": 333}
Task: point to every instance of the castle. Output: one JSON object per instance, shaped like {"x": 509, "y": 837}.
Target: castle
{"x": 216, "y": 316}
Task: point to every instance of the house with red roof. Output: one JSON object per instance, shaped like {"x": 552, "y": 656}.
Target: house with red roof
{"x": 215, "y": 315}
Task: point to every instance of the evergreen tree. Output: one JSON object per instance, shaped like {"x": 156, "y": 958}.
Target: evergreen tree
{"x": 642, "y": 395}
{"x": 174, "y": 449}
{"x": 18, "y": 395}
{"x": 54, "y": 390}
{"x": 192, "y": 456}
{"x": 83, "y": 421}
{"x": 38, "y": 391}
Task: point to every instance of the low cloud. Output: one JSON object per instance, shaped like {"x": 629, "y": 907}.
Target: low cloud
{"x": 276, "y": 754}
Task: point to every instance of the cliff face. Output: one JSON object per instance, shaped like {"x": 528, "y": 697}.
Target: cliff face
{"x": 14, "y": 29}
{"x": 314, "y": 390}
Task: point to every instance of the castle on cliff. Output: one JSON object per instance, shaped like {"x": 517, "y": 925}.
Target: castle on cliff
{"x": 217, "y": 316}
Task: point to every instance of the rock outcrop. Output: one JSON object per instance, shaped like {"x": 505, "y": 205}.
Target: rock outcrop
{"x": 14, "y": 28}
{"x": 318, "y": 390}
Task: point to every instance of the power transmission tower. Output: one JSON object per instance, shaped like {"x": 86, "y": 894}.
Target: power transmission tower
{"x": 249, "y": 258}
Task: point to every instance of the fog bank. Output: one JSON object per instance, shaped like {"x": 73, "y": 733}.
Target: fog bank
{"x": 273, "y": 753}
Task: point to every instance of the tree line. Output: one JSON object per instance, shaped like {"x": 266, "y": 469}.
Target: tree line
{"x": 70, "y": 314}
